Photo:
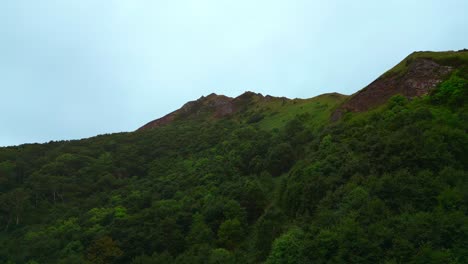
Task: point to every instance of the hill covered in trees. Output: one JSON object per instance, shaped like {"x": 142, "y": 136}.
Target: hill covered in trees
{"x": 377, "y": 177}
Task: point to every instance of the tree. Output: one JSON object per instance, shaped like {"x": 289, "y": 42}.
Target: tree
{"x": 230, "y": 233}
{"x": 7, "y": 169}
{"x": 267, "y": 229}
{"x": 14, "y": 204}
{"x": 288, "y": 248}
{"x": 156, "y": 258}
{"x": 221, "y": 256}
{"x": 199, "y": 233}
{"x": 280, "y": 158}
{"x": 103, "y": 250}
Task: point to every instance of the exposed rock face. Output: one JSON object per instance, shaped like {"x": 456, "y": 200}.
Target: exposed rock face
{"x": 217, "y": 106}
{"x": 161, "y": 121}
{"x": 221, "y": 104}
{"x": 422, "y": 76}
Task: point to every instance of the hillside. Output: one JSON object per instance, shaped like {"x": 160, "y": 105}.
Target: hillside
{"x": 416, "y": 75}
{"x": 376, "y": 177}
{"x": 269, "y": 112}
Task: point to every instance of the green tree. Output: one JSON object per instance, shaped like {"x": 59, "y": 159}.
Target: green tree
{"x": 221, "y": 256}
{"x": 103, "y": 250}
{"x": 199, "y": 233}
{"x": 14, "y": 204}
{"x": 280, "y": 158}
{"x": 230, "y": 233}
{"x": 288, "y": 248}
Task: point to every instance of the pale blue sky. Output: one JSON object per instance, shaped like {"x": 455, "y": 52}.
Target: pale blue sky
{"x": 77, "y": 68}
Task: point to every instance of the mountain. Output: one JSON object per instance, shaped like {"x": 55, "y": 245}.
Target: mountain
{"x": 252, "y": 107}
{"x": 416, "y": 75}
{"x": 376, "y": 177}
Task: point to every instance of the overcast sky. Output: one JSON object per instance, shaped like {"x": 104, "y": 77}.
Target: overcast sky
{"x": 71, "y": 69}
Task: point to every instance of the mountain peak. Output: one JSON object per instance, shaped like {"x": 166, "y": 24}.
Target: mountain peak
{"x": 416, "y": 75}
{"x": 212, "y": 105}
{"x": 249, "y": 94}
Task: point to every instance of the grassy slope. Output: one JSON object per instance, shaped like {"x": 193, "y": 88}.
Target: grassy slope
{"x": 450, "y": 58}
{"x": 278, "y": 112}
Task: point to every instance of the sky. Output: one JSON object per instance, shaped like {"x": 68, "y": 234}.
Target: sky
{"x": 72, "y": 69}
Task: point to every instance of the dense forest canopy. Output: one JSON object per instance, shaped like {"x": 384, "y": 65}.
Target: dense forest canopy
{"x": 275, "y": 183}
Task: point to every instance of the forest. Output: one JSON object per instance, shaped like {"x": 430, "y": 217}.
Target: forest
{"x": 387, "y": 185}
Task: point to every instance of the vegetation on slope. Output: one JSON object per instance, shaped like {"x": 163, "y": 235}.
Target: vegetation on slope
{"x": 417, "y": 75}
{"x": 267, "y": 111}
{"x": 318, "y": 109}
{"x": 384, "y": 186}
{"x": 448, "y": 58}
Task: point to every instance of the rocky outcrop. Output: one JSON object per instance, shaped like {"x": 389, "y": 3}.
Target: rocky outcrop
{"x": 213, "y": 105}
{"x": 421, "y": 76}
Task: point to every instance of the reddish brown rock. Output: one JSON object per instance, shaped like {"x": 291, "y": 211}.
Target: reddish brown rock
{"x": 213, "y": 105}
{"x": 421, "y": 77}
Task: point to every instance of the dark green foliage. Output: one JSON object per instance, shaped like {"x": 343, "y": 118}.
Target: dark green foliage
{"x": 221, "y": 256}
{"x": 280, "y": 159}
{"x": 453, "y": 92}
{"x": 288, "y": 249}
{"x": 230, "y": 233}
{"x": 386, "y": 186}
{"x": 103, "y": 250}
{"x": 255, "y": 118}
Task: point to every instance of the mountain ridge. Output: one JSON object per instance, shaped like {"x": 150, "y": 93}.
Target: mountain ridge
{"x": 416, "y": 75}
{"x": 218, "y": 106}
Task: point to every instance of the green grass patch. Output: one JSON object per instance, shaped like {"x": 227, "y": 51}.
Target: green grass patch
{"x": 277, "y": 113}
{"x": 447, "y": 58}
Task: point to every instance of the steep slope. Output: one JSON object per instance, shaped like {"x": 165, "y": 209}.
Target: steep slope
{"x": 212, "y": 105}
{"x": 416, "y": 75}
{"x": 268, "y": 111}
